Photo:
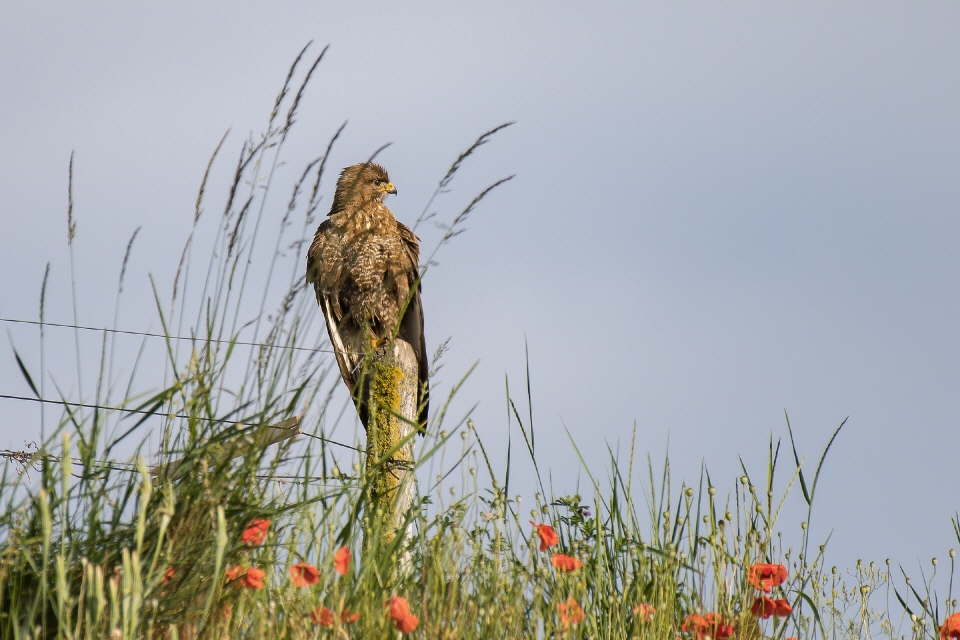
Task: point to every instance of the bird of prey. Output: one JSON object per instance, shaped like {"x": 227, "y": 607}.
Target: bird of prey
{"x": 364, "y": 267}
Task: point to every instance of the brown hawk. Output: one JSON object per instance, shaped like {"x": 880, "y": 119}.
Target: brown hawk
{"x": 364, "y": 267}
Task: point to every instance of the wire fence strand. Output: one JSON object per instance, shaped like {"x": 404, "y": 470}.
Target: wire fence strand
{"x": 148, "y": 334}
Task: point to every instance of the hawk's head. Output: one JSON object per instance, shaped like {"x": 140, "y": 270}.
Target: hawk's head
{"x": 360, "y": 183}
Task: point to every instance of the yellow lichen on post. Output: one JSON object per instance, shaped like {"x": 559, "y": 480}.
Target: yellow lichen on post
{"x": 393, "y": 408}
{"x": 385, "y": 398}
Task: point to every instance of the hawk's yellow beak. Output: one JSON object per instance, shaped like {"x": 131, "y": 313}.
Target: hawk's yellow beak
{"x": 389, "y": 188}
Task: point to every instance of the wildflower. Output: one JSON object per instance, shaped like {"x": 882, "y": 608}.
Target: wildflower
{"x": 400, "y": 614}
{"x": 710, "y": 626}
{"x": 766, "y": 576}
{"x": 695, "y": 624}
{"x": 322, "y": 616}
{"x": 644, "y": 611}
{"x": 565, "y": 563}
{"x": 166, "y": 575}
{"x": 764, "y": 607}
{"x": 951, "y": 627}
{"x": 304, "y": 575}
{"x": 548, "y": 537}
{"x": 570, "y": 612}
{"x": 253, "y": 579}
{"x": 349, "y": 617}
{"x": 232, "y": 573}
{"x": 341, "y": 560}
{"x": 227, "y": 610}
{"x": 781, "y": 608}
{"x": 255, "y": 532}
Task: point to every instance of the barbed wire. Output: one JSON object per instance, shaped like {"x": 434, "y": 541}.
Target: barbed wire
{"x": 148, "y": 334}
{"x": 86, "y": 405}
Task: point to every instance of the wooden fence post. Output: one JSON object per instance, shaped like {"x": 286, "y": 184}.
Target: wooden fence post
{"x": 394, "y": 386}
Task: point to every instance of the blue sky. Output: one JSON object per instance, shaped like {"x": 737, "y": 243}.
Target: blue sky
{"x": 721, "y": 212}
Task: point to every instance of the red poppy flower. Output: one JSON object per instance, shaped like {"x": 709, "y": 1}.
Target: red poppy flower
{"x": 570, "y": 613}
{"x": 763, "y": 607}
{"x": 951, "y": 627}
{"x": 400, "y": 614}
{"x": 304, "y": 575}
{"x": 227, "y": 609}
{"x": 349, "y": 617}
{"x": 781, "y": 608}
{"x": 232, "y": 573}
{"x": 322, "y": 616}
{"x": 341, "y": 560}
{"x": 253, "y": 578}
{"x": 693, "y": 623}
{"x": 708, "y": 626}
{"x": 548, "y": 537}
{"x": 644, "y": 611}
{"x": 166, "y": 575}
{"x": 565, "y": 563}
{"x": 721, "y": 630}
{"x": 766, "y": 576}
{"x": 255, "y": 532}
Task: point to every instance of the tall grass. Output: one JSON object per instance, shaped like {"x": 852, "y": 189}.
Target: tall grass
{"x": 91, "y": 547}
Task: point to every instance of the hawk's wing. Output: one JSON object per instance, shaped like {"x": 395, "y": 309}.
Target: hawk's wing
{"x": 411, "y": 327}
{"x": 322, "y": 270}
{"x": 347, "y": 359}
